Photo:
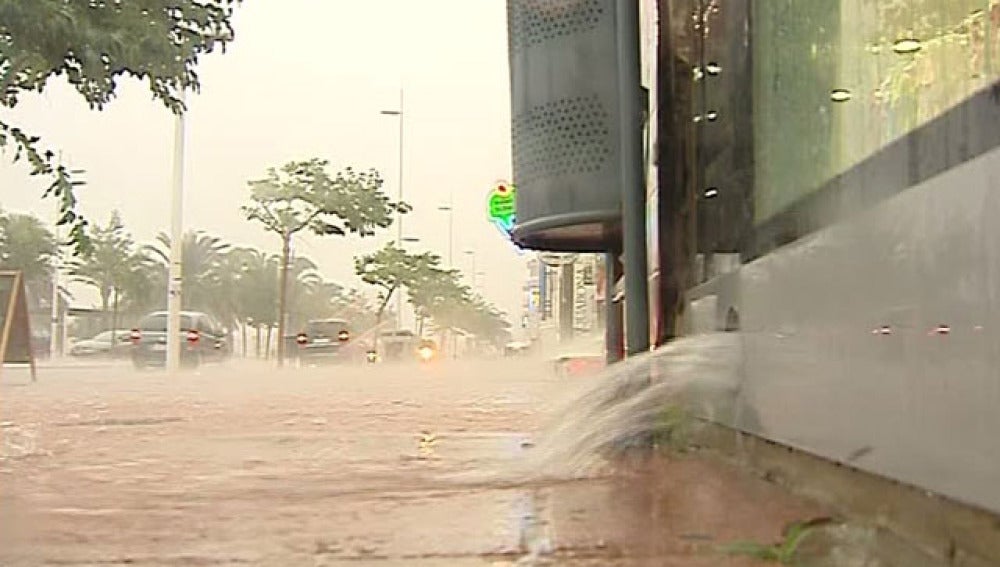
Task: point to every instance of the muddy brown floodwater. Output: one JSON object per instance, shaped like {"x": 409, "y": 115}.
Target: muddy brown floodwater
{"x": 341, "y": 466}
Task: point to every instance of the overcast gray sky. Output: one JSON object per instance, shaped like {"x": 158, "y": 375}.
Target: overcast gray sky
{"x": 308, "y": 78}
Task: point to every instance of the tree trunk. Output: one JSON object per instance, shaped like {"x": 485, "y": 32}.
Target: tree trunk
{"x": 286, "y": 249}
{"x": 378, "y": 318}
{"x": 267, "y": 343}
{"x": 256, "y": 340}
{"x": 243, "y": 327}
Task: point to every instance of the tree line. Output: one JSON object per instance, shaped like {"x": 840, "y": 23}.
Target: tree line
{"x": 245, "y": 287}
{"x": 237, "y": 285}
{"x": 82, "y": 43}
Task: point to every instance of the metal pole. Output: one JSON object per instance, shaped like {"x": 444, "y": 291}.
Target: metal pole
{"x": 450, "y": 209}
{"x": 451, "y": 231}
{"x": 633, "y": 189}
{"x": 399, "y": 224}
{"x": 54, "y": 349}
{"x": 176, "y": 246}
{"x": 474, "y": 272}
{"x": 613, "y": 313}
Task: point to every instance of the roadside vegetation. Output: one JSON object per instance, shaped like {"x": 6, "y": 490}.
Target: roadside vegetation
{"x": 784, "y": 552}
{"x": 240, "y": 286}
{"x": 93, "y": 45}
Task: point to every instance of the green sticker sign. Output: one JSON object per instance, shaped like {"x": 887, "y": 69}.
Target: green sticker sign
{"x": 502, "y": 210}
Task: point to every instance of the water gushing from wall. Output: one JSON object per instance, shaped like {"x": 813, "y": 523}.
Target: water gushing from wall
{"x": 648, "y": 400}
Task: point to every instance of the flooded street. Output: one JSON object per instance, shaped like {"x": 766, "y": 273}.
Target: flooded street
{"x": 342, "y": 465}
{"x": 556, "y": 282}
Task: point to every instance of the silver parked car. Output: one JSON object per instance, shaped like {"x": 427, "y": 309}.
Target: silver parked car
{"x": 102, "y": 345}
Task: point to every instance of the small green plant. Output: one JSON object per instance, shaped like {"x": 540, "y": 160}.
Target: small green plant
{"x": 672, "y": 429}
{"x": 784, "y": 551}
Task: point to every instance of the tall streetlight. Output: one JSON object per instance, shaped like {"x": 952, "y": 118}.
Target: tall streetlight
{"x": 472, "y": 254}
{"x": 399, "y": 220}
{"x": 175, "y": 277}
{"x": 450, "y": 209}
{"x": 476, "y": 281}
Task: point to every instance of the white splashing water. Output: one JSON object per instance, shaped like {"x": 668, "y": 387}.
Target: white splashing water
{"x": 696, "y": 376}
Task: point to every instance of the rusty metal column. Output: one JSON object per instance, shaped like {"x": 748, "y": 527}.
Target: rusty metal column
{"x": 633, "y": 186}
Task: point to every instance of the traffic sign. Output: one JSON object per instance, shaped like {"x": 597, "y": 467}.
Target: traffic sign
{"x": 15, "y": 327}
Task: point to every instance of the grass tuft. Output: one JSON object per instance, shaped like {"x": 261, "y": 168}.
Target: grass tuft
{"x": 783, "y": 552}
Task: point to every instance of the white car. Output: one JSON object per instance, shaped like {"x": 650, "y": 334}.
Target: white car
{"x": 102, "y": 346}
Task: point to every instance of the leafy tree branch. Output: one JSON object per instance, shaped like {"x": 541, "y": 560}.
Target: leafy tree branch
{"x": 93, "y": 45}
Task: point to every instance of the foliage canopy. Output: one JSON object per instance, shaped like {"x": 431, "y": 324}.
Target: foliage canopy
{"x": 93, "y": 44}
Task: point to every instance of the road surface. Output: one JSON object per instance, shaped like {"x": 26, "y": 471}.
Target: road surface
{"x": 414, "y": 466}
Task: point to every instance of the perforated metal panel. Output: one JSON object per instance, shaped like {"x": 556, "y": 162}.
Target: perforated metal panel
{"x": 565, "y": 130}
{"x": 537, "y": 21}
{"x": 562, "y": 137}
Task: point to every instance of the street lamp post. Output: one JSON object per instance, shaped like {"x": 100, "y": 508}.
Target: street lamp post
{"x": 476, "y": 281}
{"x": 450, "y": 209}
{"x": 175, "y": 277}
{"x": 472, "y": 254}
{"x": 399, "y": 221}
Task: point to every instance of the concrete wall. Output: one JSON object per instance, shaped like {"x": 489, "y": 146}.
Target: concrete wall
{"x": 876, "y": 341}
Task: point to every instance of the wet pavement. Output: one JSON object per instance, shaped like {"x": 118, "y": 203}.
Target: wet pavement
{"x": 342, "y": 466}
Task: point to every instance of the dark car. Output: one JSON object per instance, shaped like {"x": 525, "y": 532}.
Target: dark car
{"x": 325, "y": 340}
{"x": 102, "y": 345}
{"x": 204, "y": 340}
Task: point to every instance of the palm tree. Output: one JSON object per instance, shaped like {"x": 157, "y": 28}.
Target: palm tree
{"x": 228, "y": 277}
{"x": 101, "y": 267}
{"x": 303, "y": 284}
{"x": 201, "y": 254}
{"x": 257, "y": 294}
{"x": 113, "y": 265}
{"x": 28, "y": 246}
{"x": 144, "y": 289}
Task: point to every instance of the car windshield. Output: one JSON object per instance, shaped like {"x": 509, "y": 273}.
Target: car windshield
{"x": 158, "y": 323}
{"x": 106, "y": 336}
{"x": 102, "y": 337}
{"x": 325, "y": 328}
{"x": 398, "y": 334}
